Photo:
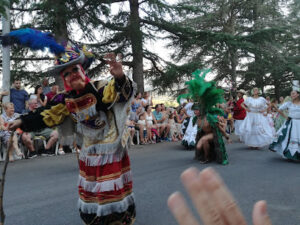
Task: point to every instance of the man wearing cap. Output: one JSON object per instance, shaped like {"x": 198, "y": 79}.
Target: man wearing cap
{"x": 239, "y": 113}
{"x": 98, "y": 112}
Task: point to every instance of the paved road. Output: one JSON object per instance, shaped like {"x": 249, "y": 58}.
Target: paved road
{"x": 42, "y": 191}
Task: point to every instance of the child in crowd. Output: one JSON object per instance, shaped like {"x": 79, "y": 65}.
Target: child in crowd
{"x": 142, "y": 121}
{"x": 174, "y": 129}
{"x": 131, "y": 128}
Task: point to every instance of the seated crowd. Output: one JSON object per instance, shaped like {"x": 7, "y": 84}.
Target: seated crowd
{"x": 43, "y": 142}
{"x": 151, "y": 124}
{"x": 147, "y": 124}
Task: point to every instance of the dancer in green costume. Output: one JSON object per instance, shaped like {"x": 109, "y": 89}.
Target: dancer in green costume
{"x": 211, "y": 126}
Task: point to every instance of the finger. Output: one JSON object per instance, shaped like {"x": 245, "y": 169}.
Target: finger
{"x": 201, "y": 199}
{"x": 225, "y": 202}
{"x": 260, "y": 215}
{"x": 180, "y": 210}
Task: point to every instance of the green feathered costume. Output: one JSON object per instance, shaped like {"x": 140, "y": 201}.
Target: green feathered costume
{"x": 206, "y": 96}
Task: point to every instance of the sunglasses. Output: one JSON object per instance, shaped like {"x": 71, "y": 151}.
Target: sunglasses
{"x": 74, "y": 70}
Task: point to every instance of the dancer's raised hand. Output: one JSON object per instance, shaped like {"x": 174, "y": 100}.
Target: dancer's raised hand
{"x": 213, "y": 202}
{"x": 116, "y": 68}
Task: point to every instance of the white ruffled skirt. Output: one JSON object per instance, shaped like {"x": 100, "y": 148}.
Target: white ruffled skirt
{"x": 189, "y": 138}
{"x": 255, "y": 130}
{"x": 287, "y": 143}
{"x": 237, "y": 126}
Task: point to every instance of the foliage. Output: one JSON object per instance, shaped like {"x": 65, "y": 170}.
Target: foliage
{"x": 104, "y": 26}
{"x": 248, "y": 43}
{"x": 205, "y": 95}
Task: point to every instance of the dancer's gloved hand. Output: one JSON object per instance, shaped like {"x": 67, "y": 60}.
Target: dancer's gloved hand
{"x": 213, "y": 202}
{"x": 116, "y": 68}
{"x": 14, "y": 124}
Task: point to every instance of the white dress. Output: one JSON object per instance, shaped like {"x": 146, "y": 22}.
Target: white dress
{"x": 149, "y": 119}
{"x": 188, "y": 109}
{"x": 287, "y": 143}
{"x": 255, "y": 131}
{"x": 189, "y": 138}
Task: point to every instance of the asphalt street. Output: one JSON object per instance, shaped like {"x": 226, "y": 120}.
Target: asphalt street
{"x": 42, "y": 191}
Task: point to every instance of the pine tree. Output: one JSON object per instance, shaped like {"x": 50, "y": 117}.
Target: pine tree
{"x": 240, "y": 40}
{"x": 101, "y": 28}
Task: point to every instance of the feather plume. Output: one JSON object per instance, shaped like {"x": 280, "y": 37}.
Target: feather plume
{"x": 34, "y": 39}
{"x": 204, "y": 94}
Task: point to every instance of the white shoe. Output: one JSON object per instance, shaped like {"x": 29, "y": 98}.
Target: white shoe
{"x": 61, "y": 152}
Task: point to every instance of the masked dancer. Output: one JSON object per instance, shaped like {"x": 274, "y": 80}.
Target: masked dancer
{"x": 97, "y": 112}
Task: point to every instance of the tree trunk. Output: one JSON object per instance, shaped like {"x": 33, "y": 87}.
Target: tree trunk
{"x": 233, "y": 63}
{"x": 136, "y": 38}
{"x": 277, "y": 90}
{"x": 230, "y": 27}
{"x": 60, "y": 29}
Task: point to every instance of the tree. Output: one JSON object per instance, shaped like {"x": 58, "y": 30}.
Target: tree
{"x": 240, "y": 40}
{"x": 3, "y": 5}
{"x": 101, "y": 28}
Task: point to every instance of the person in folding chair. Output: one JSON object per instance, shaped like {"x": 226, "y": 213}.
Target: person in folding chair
{"x": 98, "y": 112}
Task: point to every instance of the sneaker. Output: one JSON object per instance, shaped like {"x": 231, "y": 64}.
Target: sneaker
{"x": 47, "y": 152}
{"x": 32, "y": 155}
{"x": 61, "y": 151}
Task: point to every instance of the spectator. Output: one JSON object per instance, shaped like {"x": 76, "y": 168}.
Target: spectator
{"x": 181, "y": 116}
{"x": 142, "y": 122}
{"x": 149, "y": 123}
{"x": 18, "y": 97}
{"x": 53, "y": 92}
{"x": 46, "y": 88}
{"x": 39, "y": 96}
{"x": 131, "y": 129}
{"x": 136, "y": 103}
{"x": 174, "y": 129}
{"x": 229, "y": 108}
{"x": 166, "y": 113}
{"x": 146, "y": 100}
{"x": 48, "y": 133}
{"x": 5, "y": 118}
{"x": 134, "y": 116}
{"x": 159, "y": 120}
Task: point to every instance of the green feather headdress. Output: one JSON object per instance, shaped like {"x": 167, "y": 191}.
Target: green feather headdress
{"x": 204, "y": 94}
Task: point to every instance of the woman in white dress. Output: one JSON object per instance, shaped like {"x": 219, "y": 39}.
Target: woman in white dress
{"x": 149, "y": 123}
{"x": 287, "y": 143}
{"x": 255, "y": 130}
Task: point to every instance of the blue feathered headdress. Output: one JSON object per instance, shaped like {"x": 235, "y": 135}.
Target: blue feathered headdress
{"x": 34, "y": 39}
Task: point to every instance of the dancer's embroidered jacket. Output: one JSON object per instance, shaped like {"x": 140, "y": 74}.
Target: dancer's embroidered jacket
{"x": 97, "y": 116}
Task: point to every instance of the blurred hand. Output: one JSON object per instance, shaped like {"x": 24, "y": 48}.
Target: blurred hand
{"x": 212, "y": 200}
{"x": 116, "y": 68}
{"x": 14, "y": 125}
